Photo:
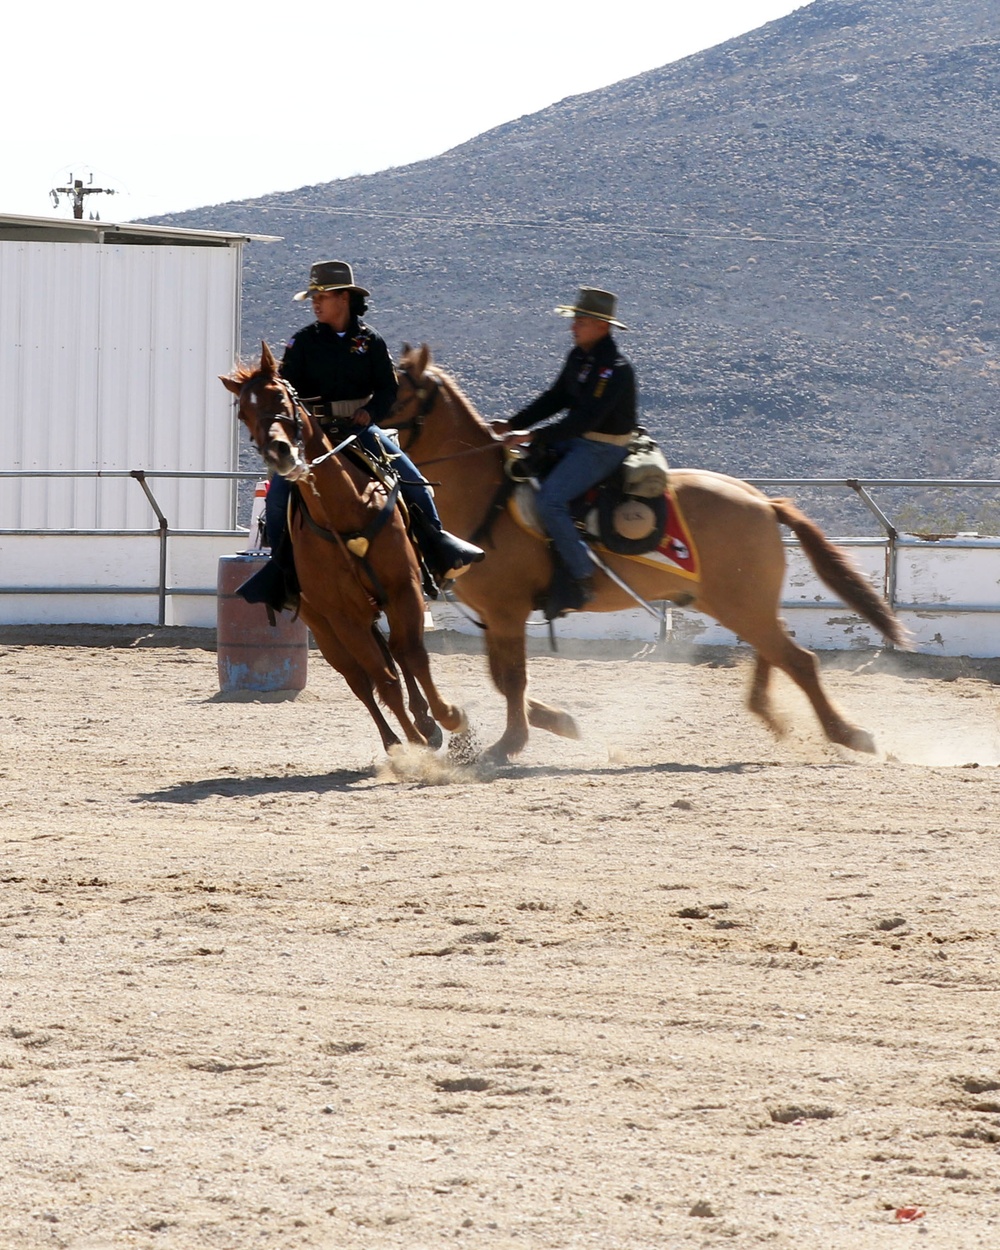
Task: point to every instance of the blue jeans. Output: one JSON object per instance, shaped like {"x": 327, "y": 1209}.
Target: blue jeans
{"x": 411, "y": 486}
{"x": 583, "y": 464}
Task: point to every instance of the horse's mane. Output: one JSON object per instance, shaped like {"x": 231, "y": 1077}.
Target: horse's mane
{"x": 243, "y": 373}
{"x": 455, "y": 394}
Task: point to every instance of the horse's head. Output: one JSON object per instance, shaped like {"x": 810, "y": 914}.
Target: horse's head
{"x": 417, "y": 391}
{"x": 269, "y": 408}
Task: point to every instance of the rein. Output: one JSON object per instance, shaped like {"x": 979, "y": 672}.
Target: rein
{"x": 456, "y": 455}
{"x": 332, "y": 452}
{"x": 427, "y": 397}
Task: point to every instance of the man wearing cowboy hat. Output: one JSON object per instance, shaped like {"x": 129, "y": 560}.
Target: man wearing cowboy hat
{"x": 343, "y": 373}
{"x": 597, "y": 389}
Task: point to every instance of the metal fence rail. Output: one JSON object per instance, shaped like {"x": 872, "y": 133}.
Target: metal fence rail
{"x": 865, "y": 489}
{"x": 162, "y": 531}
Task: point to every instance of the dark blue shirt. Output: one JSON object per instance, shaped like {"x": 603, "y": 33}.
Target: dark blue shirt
{"x": 324, "y": 365}
{"x": 597, "y": 387}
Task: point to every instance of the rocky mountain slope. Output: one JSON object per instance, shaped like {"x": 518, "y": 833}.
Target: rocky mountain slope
{"x": 801, "y": 225}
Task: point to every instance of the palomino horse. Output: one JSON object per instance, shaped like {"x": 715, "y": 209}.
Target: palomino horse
{"x": 733, "y": 525}
{"x": 353, "y": 558}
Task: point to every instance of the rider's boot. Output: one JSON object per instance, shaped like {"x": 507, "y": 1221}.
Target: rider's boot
{"x": 446, "y": 554}
{"x": 276, "y": 584}
{"x": 566, "y": 593}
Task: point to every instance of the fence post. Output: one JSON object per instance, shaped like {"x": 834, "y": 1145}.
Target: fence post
{"x": 891, "y": 534}
{"x": 140, "y": 477}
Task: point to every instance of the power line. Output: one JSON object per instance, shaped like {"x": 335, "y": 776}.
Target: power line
{"x": 748, "y": 237}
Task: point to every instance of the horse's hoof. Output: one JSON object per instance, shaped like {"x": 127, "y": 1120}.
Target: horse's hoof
{"x": 566, "y": 727}
{"x": 435, "y": 738}
{"x": 496, "y": 756}
{"x": 862, "y": 740}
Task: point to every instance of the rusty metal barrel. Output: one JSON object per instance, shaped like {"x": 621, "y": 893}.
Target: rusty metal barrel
{"x": 253, "y": 654}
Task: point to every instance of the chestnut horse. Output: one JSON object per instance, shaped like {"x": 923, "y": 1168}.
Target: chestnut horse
{"x": 734, "y": 527}
{"x": 353, "y": 558}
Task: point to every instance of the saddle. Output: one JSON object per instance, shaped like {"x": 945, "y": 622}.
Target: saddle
{"x": 626, "y": 513}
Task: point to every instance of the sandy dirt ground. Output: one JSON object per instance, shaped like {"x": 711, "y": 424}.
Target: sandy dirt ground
{"x": 675, "y": 984}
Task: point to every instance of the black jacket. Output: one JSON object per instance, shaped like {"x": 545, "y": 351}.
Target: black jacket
{"x": 598, "y": 388}
{"x": 322, "y": 364}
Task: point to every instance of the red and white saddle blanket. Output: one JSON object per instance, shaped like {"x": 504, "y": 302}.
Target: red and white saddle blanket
{"x": 676, "y": 551}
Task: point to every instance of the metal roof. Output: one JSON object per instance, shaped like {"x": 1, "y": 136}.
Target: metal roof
{"x": 69, "y": 230}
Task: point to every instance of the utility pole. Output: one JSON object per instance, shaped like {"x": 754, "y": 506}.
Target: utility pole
{"x": 78, "y": 191}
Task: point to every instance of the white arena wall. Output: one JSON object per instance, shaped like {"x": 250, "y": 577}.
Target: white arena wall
{"x": 947, "y": 594}
{"x": 113, "y": 579}
{"x": 110, "y": 356}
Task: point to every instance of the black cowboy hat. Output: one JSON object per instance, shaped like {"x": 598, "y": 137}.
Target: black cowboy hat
{"x": 593, "y": 303}
{"x": 330, "y": 275}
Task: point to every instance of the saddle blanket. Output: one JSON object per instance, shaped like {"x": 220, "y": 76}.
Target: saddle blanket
{"x": 676, "y": 552}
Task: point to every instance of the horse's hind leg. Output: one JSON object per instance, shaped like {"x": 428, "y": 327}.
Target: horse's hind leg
{"x": 759, "y": 698}
{"x": 554, "y": 719}
{"x": 748, "y": 605}
{"x": 802, "y": 667}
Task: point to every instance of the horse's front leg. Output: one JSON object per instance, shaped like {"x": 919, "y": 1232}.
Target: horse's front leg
{"x": 419, "y": 710}
{"x": 406, "y": 642}
{"x": 507, "y": 657}
{"x": 338, "y": 656}
{"x": 417, "y": 704}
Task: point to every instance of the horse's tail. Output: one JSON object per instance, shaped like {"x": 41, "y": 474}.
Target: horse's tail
{"x": 837, "y": 571}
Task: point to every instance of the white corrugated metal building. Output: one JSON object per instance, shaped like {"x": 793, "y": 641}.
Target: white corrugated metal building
{"x": 112, "y": 337}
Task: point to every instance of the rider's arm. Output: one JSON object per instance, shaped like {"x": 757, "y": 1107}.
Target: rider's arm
{"x": 383, "y": 380}
{"x": 607, "y": 404}
{"x": 546, "y": 405}
{"x": 293, "y": 368}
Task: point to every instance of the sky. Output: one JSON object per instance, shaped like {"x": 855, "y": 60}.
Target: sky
{"x": 191, "y": 104}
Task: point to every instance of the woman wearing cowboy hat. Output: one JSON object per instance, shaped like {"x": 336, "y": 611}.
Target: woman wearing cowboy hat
{"x": 344, "y": 375}
{"x": 597, "y": 388}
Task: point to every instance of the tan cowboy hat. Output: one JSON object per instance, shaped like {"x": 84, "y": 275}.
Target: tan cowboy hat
{"x": 591, "y": 302}
{"x": 330, "y": 275}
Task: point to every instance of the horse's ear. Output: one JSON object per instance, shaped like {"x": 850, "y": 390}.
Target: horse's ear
{"x": 407, "y": 349}
{"x": 231, "y": 384}
{"x": 267, "y": 362}
{"x": 423, "y": 358}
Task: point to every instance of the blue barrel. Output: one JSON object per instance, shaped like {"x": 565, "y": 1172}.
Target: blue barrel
{"x": 253, "y": 654}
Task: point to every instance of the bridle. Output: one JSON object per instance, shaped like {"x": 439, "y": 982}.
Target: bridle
{"x": 291, "y": 415}
{"x": 425, "y": 392}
